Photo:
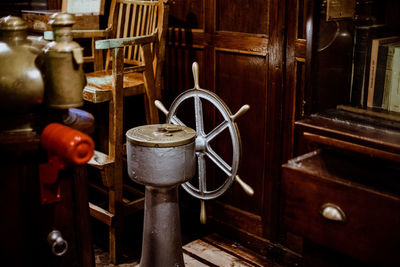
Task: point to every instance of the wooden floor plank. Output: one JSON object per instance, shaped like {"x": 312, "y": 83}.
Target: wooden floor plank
{"x": 209, "y": 251}
{"x": 213, "y": 254}
{"x": 189, "y": 262}
{"x": 238, "y": 250}
{"x": 192, "y": 262}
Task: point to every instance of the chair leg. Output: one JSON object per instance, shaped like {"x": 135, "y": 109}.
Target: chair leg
{"x": 151, "y": 110}
{"x": 113, "y": 217}
{"x": 115, "y": 207}
{"x": 149, "y": 118}
{"x": 115, "y": 229}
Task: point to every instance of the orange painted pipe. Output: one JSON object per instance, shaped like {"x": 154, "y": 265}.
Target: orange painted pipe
{"x": 69, "y": 145}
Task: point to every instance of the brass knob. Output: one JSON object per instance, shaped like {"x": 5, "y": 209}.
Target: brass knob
{"x": 244, "y": 186}
{"x": 203, "y": 215}
{"x": 332, "y": 212}
{"x": 161, "y": 107}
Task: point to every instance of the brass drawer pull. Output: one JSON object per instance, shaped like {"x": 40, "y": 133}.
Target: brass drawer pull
{"x": 332, "y": 212}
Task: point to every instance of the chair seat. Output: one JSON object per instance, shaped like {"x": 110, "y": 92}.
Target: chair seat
{"x": 99, "y": 86}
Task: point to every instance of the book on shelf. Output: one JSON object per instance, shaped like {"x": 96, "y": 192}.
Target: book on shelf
{"x": 382, "y": 75}
{"x": 388, "y": 78}
{"x": 378, "y": 59}
{"x": 363, "y": 36}
{"x": 393, "y": 87}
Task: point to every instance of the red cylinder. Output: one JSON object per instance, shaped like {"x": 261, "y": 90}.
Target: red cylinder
{"x": 70, "y": 145}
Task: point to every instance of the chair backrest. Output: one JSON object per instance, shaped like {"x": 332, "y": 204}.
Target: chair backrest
{"x": 130, "y": 18}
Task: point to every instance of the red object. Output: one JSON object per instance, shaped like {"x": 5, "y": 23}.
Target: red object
{"x": 65, "y": 146}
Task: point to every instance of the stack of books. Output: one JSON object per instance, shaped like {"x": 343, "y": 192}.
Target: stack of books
{"x": 376, "y": 68}
{"x": 383, "y": 86}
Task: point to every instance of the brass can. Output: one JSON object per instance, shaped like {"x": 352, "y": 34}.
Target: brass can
{"x": 21, "y": 82}
{"x": 63, "y": 71}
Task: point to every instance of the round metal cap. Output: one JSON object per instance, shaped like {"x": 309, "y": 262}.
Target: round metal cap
{"x": 161, "y": 135}
{"x": 11, "y": 23}
{"x": 62, "y": 19}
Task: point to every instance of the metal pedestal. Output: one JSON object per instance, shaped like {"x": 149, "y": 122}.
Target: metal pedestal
{"x": 164, "y": 156}
{"x": 161, "y": 157}
{"x": 162, "y": 242}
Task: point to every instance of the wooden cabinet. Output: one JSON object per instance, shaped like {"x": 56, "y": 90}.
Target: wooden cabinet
{"x": 344, "y": 202}
{"x": 26, "y": 222}
{"x": 355, "y": 158}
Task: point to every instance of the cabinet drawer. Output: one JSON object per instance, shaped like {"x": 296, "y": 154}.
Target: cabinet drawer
{"x": 370, "y": 230}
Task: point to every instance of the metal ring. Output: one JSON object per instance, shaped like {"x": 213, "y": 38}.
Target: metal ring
{"x": 60, "y": 242}
{"x": 203, "y": 148}
{"x": 55, "y": 239}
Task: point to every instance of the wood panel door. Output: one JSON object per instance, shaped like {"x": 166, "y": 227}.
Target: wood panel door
{"x": 239, "y": 47}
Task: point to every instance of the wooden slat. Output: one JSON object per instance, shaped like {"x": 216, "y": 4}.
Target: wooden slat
{"x": 132, "y": 29}
{"x": 96, "y": 95}
{"x": 393, "y": 116}
{"x": 100, "y": 214}
{"x": 133, "y": 69}
{"x": 351, "y": 147}
{"x": 300, "y": 49}
{"x": 192, "y": 262}
{"x": 120, "y": 42}
{"x": 100, "y": 160}
{"x": 133, "y": 85}
{"x": 139, "y": 21}
{"x": 133, "y": 206}
{"x": 236, "y": 249}
{"x": 133, "y": 190}
{"x": 127, "y": 24}
{"x": 381, "y": 138}
{"x": 143, "y": 3}
{"x": 212, "y": 254}
{"x": 119, "y": 22}
{"x": 127, "y": 20}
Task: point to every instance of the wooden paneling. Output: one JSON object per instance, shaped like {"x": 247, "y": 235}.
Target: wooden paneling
{"x": 178, "y": 75}
{"x": 295, "y": 72}
{"x": 234, "y": 16}
{"x": 233, "y": 42}
{"x": 187, "y": 14}
{"x": 241, "y": 79}
{"x": 275, "y": 104}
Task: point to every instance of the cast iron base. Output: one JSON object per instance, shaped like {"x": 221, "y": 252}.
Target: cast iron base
{"x": 162, "y": 242}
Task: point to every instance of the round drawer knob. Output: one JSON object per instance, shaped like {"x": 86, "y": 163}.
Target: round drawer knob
{"x": 59, "y": 246}
{"x": 333, "y": 212}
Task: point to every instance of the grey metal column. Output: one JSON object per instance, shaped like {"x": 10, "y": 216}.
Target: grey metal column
{"x": 161, "y": 156}
{"x": 162, "y": 242}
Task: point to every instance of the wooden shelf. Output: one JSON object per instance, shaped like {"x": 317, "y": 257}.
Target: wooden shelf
{"x": 359, "y": 133}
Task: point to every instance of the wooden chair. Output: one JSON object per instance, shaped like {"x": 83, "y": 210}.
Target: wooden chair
{"x": 136, "y": 53}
